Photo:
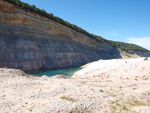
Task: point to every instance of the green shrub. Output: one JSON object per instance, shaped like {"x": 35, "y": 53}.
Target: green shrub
{"x": 124, "y": 108}
{"x": 101, "y": 90}
{"x": 145, "y": 58}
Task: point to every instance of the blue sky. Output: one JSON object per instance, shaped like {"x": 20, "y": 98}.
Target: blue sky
{"x": 117, "y": 20}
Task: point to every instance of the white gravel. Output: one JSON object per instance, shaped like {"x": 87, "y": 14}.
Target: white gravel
{"x": 127, "y": 91}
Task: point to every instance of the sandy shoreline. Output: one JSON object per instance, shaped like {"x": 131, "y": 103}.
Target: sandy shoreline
{"x": 122, "y": 88}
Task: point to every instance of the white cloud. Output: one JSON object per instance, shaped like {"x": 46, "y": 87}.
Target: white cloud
{"x": 143, "y": 41}
{"x": 115, "y": 34}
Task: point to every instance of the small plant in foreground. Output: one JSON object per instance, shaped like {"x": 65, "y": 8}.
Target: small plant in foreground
{"x": 67, "y": 98}
{"x": 145, "y": 58}
{"x": 124, "y": 108}
{"x": 145, "y": 77}
{"x": 134, "y": 88}
{"x": 101, "y": 90}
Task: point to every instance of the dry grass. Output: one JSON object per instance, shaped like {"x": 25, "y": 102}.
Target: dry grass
{"x": 67, "y": 98}
{"x": 126, "y": 106}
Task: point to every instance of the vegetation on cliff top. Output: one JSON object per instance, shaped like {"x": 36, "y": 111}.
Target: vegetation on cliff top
{"x": 127, "y": 46}
{"x": 33, "y": 8}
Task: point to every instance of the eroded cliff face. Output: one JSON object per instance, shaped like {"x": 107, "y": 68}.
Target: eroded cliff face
{"x": 29, "y": 41}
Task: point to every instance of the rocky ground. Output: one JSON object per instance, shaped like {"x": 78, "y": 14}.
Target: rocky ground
{"x": 123, "y": 87}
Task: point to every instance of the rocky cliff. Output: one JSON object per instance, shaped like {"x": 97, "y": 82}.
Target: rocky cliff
{"x": 29, "y": 41}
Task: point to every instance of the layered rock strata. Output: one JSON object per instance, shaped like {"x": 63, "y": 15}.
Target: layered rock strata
{"x": 30, "y": 41}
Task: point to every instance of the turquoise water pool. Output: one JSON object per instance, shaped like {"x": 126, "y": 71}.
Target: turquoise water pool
{"x": 68, "y": 72}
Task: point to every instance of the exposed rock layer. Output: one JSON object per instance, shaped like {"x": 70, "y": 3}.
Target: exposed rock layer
{"x": 29, "y": 41}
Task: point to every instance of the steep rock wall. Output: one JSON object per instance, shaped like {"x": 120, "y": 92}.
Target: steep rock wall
{"x": 29, "y": 41}
{"x": 139, "y": 53}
